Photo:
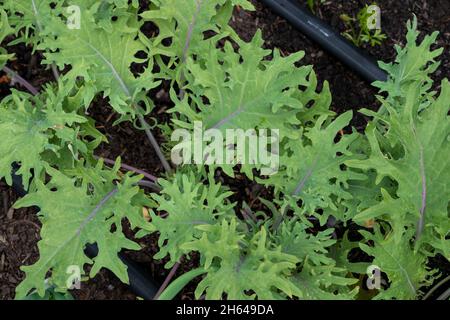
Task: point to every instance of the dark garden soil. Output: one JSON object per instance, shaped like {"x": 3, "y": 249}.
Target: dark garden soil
{"x": 19, "y": 229}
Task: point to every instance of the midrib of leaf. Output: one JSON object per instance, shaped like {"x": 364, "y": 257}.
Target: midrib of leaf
{"x": 187, "y": 43}
{"x": 97, "y": 208}
{"x": 305, "y": 178}
{"x": 36, "y": 14}
{"x": 241, "y": 108}
{"x": 83, "y": 225}
{"x": 190, "y": 30}
{"x": 416, "y": 62}
{"x": 110, "y": 65}
{"x": 297, "y": 191}
{"x": 424, "y": 193}
{"x": 308, "y": 175}
{"x": 403, "y": 270}
{"x": 305, "y": 285}
{"x": 228, "y": 118}
{"x": 420, "y": 224}
{"x": 218, "y": 83}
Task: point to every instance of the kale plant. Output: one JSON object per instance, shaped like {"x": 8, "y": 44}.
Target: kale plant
{"x": 389, "y": 184}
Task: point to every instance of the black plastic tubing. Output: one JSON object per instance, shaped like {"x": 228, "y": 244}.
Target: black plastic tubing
{"x": 141, "y": 284}
{"x": 327, "y": 38}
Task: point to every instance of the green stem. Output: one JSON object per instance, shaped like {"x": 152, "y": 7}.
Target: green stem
{"x": 179, "y": 283}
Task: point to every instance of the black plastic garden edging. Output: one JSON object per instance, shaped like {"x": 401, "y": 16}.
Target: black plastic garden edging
{"x": 327, "y": 38}
{"x": 141, "y": 284}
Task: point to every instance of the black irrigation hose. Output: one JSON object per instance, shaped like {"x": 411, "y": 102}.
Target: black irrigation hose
{"x": 141, "y": 284}
{"x": 326, "y": 37}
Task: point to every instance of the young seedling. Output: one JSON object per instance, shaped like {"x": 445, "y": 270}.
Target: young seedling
{"x": 365, "y": 28}
{"x": 313, "y": 3}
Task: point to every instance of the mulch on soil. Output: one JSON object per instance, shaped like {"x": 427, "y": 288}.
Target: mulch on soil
{"x": 19, "y": 229}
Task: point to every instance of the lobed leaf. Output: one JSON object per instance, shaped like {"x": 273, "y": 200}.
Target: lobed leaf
{"x": 74, "y": 214}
